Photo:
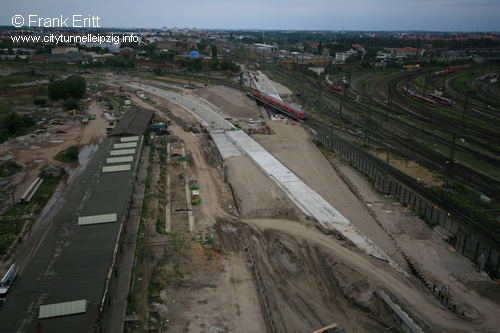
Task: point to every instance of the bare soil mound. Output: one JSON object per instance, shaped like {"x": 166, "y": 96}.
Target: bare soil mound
{"x": 295, "y": 271}
{"x": 256, "y": 195}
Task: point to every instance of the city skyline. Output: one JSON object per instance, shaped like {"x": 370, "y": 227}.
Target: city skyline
{"x": 332, "y": 15}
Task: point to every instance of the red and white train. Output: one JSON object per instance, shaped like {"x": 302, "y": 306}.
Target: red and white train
{"x": 450, "y": 70}
{"x": 439, "y": 99}
{"x": 332, "y": 85}
{"x": 419, "y": 97}
{"x": 288, "y": 108}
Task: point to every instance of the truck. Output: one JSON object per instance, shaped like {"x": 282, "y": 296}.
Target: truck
{"x": 159, "y": 128}
{"x": 7, "y": 282}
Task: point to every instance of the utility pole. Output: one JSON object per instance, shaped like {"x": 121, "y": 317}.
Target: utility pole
{"x": 387, "y": 162}
{"x": 341, "y": 104}
{"x": 349, "y": 74}
{"x": 368, "y": 125}
{"x": 389, "y": 105}
{"x": 15, "y": 212}
{"x": 465, "y": 107}
{"x": 488, "y": 87}
{"x": 449, "y": 167}
{"x": 433, "y": 124}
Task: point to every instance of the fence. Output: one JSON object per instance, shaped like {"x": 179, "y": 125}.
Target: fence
{"x": 481, "y": 251}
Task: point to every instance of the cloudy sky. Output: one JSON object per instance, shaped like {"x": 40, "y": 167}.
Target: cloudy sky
{"x": 430, "y": 15}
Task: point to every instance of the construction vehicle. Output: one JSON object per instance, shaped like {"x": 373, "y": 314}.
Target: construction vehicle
{"x": 7, "y": 282}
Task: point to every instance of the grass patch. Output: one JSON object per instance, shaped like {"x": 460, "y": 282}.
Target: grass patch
{"x": 12, "y": 222}
{"x": 9, "y": 168}
{"x": 69, "y": 155}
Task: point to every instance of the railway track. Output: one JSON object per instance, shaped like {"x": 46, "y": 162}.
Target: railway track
{"x": 484, "y": 228}
{"x": 399, "y": 134}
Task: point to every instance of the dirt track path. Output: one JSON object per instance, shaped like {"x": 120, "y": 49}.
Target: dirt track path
{"x": 309, "y": 278}
{"x": 217, "y": 288}
{"x": 358, "y": 271}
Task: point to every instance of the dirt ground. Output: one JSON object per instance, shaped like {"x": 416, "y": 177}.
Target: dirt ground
{"x": 268, "y": 269}
{"x": 35, "y": 151}
{"x": 298, "y": 279}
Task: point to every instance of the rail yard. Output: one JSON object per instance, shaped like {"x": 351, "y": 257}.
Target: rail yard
{"x": 391, "y": 114}
{"x": 218, "y": 241}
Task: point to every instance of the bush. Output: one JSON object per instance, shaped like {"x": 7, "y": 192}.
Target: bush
{"x": 9, "y": 168}
{"x": 68, "y": 155}
{"x": 71, "y": 103}
{"x": 74, "y": 86}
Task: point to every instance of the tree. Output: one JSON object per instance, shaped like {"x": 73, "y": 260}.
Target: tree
{"x": 158, "y": 71}
{"x": 198, "y": 65}
{"x": 214, "y": 51}
{"x": 228, "y": 65}
{"x": 14, "y": 123}
{"x": 57, "y": 90}
{"x": 77, "y": 86}
{"x": 71, "y": 103}
{"x": 307, "y": 47}
{"x": 370, "y": 54}
{"x": 74, "y": 86}
{"x": 351, "y": 59}
{"x": 151, "y": 50}
{"x": 167, "y": 55}
{"x": 214, "y": 64}
{"x": 203, "y": 44}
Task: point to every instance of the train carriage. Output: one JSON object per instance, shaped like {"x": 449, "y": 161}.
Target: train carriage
{"x": 440, "y": 99}
{"x": 332, "y": 85}
{"x": 292, "y": 110}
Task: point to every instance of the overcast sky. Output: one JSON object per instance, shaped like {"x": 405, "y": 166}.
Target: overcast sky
{"x": 389, "y": 15}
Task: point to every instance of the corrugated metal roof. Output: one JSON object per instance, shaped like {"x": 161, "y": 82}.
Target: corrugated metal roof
{"x": 125, "y": 145}
{"x": 96, "y": 219}
{"x": 122, "y": 159}
{"x": 122, "y": 152}
{"x": 93, "y": 193}
{"x": 116, "y": 168}
{"x": 133, "y": 123}
{"x": 129, "y": 139}
{"x": 62, "y": 309}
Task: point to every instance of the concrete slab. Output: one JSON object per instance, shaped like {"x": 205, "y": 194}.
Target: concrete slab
{"x": 265, "y": 86}
{"x": 208, "y": 117}
{"x": 225, "y": 146}
{"x": 308, "y": 201}
{"x": 237, "y": 143}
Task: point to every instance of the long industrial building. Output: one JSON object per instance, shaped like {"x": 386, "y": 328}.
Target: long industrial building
{"x": 65, "y": 285}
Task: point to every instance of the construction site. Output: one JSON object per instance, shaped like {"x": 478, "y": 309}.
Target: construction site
{"x": 254, "y": 260}
{"x": 227, "y": 236}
